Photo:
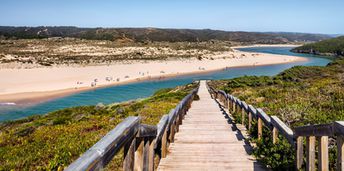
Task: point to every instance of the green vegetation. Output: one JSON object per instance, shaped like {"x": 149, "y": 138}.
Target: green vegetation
{"x": 299, "y": 96}
{"x": 54, "y": 140}
{"x": 330, "y": 47}
{"x": 155, "y": 34}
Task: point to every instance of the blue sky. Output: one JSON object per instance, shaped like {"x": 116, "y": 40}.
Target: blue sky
{"x": 312, "y": 16}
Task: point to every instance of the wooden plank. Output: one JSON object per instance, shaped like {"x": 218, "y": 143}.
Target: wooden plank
{"x": 315, "y": 130}
{"x": 266, "y": 119}
{"x": 229, "y": 102}
{"x": 171, "y": 116}
{"x": 151, "y": 154}
{"x": 103, "y": 151}
{"x": 234, "y": 104}
{"x": 299, "y": 152}
{"x": 180, "y": 118}
{"x": 340, "y": 153}
{"x": 138, "y": 163}
{"x": 283, "y": 129}
{"x": 220, "y": 97}
{"x": 129, "y": 156}
{"x": 229, "y": 105}
{"x": 310, "y": 153}
{"x": 172, "y": 132}
{"x": 260, "y": 128}
{"x": 249, "y": 120}
{"x": 164, "y": 144}
{"x": 161, "y": 127}
{"x": 253, "y": 111}
{"x": 230, "y": 97}
{"x": 245, "y": 106}
{"x": 238, "y": 105}
{"x": 147, "y": 131}
{"x": 146, "y": 154}
{"x": 243, "y": 116}
{"x": 177, "y": 123}
{"x": 274, "y": 135}
{"x": 323, "y": 153}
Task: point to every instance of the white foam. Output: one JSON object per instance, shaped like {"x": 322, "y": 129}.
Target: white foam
{"x": 7, "y": 104}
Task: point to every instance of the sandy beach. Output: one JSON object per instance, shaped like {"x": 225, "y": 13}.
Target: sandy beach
{"x": 39, "y": 84}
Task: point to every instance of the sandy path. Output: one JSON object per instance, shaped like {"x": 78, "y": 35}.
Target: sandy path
{"x": 18, "y": 85}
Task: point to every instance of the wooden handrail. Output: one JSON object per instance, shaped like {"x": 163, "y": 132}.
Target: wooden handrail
{"x": 295, "y": 138}
{"x": 283, "y": 129}
{"x": 161, "y": 127}
{"x": 139, "y": 141}
{"x": 266, "y": 118}
{"x": 315, "y": 130}
{"x": 100, "y": 154}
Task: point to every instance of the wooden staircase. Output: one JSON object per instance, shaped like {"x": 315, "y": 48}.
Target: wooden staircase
{"x": 207, "y": 140}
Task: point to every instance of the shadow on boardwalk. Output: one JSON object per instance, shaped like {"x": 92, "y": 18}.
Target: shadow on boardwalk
{"x": 247, "y": 146}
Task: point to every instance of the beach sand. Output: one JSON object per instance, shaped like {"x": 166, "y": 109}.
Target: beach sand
{"x": 39, "y": 84}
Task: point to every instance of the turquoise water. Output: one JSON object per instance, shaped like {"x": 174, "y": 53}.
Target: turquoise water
{"x": 146, "y": 88}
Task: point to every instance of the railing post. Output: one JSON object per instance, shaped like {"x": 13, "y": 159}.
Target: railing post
{"x": 323, "y": 153}
{"x": 274, "y": 135}
{"x": 146, "y": 154}
{"x": 129, "y": 153}
{"x": 299, "y": 152}
{"x": 164, "y": 144}
{"x": 139, "y": 157}
{"x": 151, "y": 154}
{"x": 225, "y": 102}
{"x": 243, "y": 115}
{"x": 310, "y": 153}
{"x": 237, "y": 108}
{"x": 234, "y": 105}
{"x": 172, "y": 131}
{"x": 340, "y": 152}
{"x": 249, "y": 120}
{"x": 181, "y": 117}
{"x": 260, "y": 128}
{"x": 177, "y": 123}
{"x": 228, "y": 103}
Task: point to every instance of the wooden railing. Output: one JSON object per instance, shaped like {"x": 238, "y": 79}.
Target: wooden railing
{"x": 140, "y": 142}
{"x": 321, "y": 133}
{"x": 295, "y": 138}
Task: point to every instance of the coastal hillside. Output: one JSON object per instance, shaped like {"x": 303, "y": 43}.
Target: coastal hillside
{"x": 156, "y": 34}
{"x": 54, "y": 140}
{"x": 302, "y": 95}
{"x": 330, "y": 47}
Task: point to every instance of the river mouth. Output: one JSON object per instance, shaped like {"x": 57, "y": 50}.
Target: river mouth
{"x": 131, "y": 91}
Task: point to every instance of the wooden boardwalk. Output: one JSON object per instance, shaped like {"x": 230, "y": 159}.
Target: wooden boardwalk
{"x": 208, "y": 141}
